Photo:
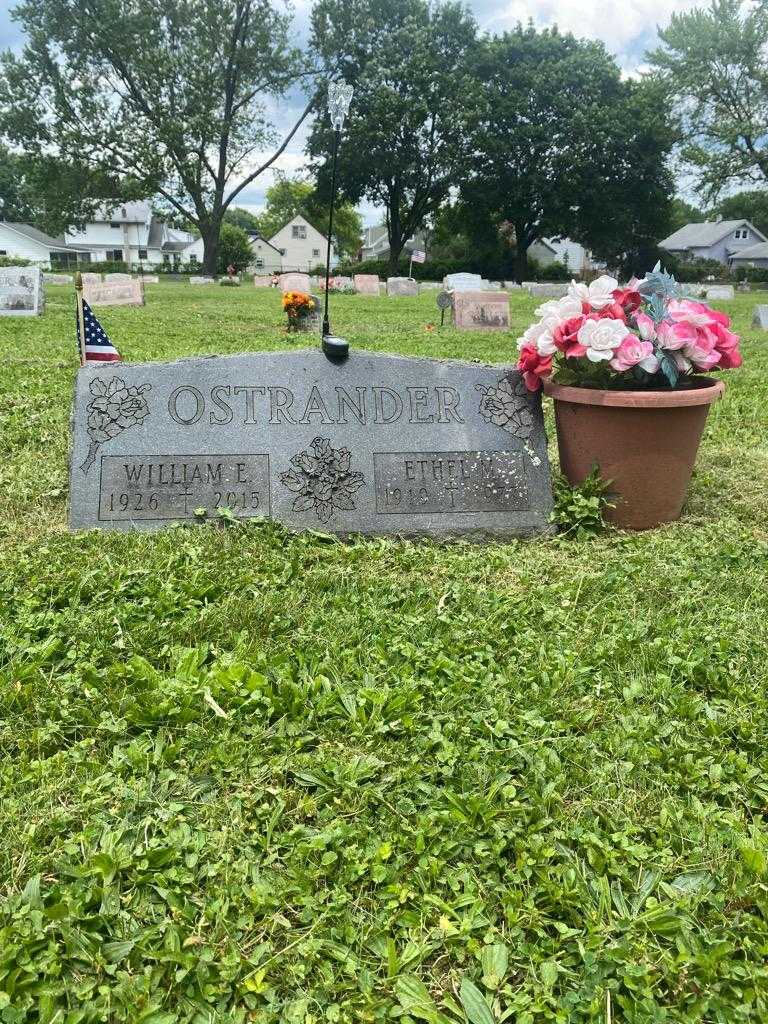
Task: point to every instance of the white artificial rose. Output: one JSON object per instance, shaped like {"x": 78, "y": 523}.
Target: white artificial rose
{"x": 601, "y": 338}
{"x": 601, "y": 291}
{"x": 579, "y": 292}
{"x": 540, "y": 335}
{"x": 548, "y": 308}
{"x": 599, "y": 294}
{"x": 568, "y": 307}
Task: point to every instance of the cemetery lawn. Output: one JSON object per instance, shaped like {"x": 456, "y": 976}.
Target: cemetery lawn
{"x": 251, "y": 776}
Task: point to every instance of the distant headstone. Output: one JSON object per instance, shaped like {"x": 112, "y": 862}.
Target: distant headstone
{"x": 91, "y": 278}
{"x": 295, "y": 282}
{"x": 377, "y": 444}
{"x": 311, "y": 324}
{"x": 720, "y": 293}
{"x": 693, "y": 291}
{"x": 463, "y": 282}
{"x": 760, "y": 318}
{"x": 110, "y": 278}
{"x": 149, "y": 278}
{"x": 476, "y": 311}
{"x": 114, "y": 293}
{"x": 401, "y": 286}
{"x": 343, "y": 283}
{"x": 201, "y": 280}
{"x": 744, "y": 286}
{"x": 261, "y": 281}
{"x": 548, "y": 289}
{"x": 367, "y": 284}
{"x": 21, "y": 291}
{"x": 58, "y": 279}
{"x": 429, "y": 286}
{"x": 509, "y": 285}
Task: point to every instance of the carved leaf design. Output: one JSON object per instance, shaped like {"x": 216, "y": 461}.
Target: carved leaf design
{"x": 292, "y": 481}
{"x": 304, "y": 503}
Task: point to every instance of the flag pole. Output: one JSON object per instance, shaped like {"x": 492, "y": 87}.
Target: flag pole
{"x": 410, "y": 268}
{"x": 80, "y": 317}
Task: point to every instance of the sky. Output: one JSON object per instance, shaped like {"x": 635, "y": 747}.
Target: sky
{"x": 628, "y": 29}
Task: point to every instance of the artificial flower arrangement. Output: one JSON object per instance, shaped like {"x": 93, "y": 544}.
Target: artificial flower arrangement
{"x": 298, "y": 306}
{"x": 643, "y": 336}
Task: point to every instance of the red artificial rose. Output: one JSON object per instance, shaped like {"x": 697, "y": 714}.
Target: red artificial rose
{"x": 565, "y": 337}
{"x": 628, "y": 298}
{"x": 614, "y": 311}
{"x": 533, "y": 366}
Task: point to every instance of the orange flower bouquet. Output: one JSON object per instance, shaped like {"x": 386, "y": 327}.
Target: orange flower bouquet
{"x": 299, "y": 306}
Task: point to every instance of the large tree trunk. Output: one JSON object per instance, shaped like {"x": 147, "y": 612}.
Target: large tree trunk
{"x": 210, "y": 248}
{"x": 521, "y": 261}
{"x": 394, "y": 258}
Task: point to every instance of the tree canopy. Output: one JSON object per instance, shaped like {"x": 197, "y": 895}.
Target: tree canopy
{"x": 406, "y": 142}
{"x": 714, "y": 65}
{"x": 168, "y": 97}
{"x": 289, "y": 197}
{"x": 564, "y": 147}
{"x": 751, "y": 205}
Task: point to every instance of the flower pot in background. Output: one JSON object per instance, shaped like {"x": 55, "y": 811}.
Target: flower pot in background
{"x": 644, "y": 442}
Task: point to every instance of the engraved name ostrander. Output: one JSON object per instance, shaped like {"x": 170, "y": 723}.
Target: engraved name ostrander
{"x": 248, "y": 404}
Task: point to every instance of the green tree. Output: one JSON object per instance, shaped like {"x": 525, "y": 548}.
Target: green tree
{"x": 682, "y": 212}
{"x": 565, "y": 148}
{"x": 167, "y": 96}
{"x": 242, "y": 219}
{"x": 234, "y": 249}
{"x": 751, "y": 206}
{"x": 713, "y": 63}
{"x": 289, "y": 197}
{"x": 406, "y": 142}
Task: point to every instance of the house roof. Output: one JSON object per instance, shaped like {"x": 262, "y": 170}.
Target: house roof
{"x": 701, "y": 236}
{"x": 256, "y": 236}
{"x": 752, "y": 252}
{"x": 27, "y": 231}
{"x": 124, "y": 213}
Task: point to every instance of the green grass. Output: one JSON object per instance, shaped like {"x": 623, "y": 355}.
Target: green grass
{"x": 252, "y": 776}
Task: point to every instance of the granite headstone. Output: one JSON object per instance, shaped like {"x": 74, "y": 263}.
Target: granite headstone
{"x": 720, "y": 293}
{"x": 260, "y": 281}
{"x": 367, "y": 284}
{"x": 149, "y": 278}
{"x": 477, "y": 311}
{"x": 201, "y": 280}
{"x": 760, "y": 318}
{"x": 377, "y": 444}
{"x": 89, "y": 278}
{"x": 21, "y": 291}
{"x": 114, "y": 293}
{"x": 548, "y": 289}
{"x": 463, "y": 282}
{"x": 110, "y": 278}
{"x": 293, "y": 282}
{"x": 402, "y": 287}
{"x": 58, "y": 279}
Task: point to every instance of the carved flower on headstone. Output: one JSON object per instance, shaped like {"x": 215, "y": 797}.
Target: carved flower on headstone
{"x": 322, "y": 480}
{"x": 112, "y": 409}
{"x": 508, "y": 405}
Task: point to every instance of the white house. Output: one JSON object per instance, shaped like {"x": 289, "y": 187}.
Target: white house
{"x": 22, "y": 241}
{"x": 129, "y": 233}
{"x": 301, "y": 246}
{"x": 267, "y": 258}
{"x": 754, "y": 256}
{"x": 721, "y": 240}
{"x": 376, "y": 243}
{"x": 561, "y": 250}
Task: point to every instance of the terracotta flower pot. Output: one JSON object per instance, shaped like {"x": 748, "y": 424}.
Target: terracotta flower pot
{"x": 644, "y": 442}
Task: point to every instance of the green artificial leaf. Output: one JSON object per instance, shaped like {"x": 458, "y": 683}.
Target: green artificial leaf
{"x": 475, "y": 1006}
{"x": 670, "y": 370}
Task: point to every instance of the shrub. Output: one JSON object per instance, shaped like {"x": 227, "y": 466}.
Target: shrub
{"x": 578, "y": 511}
{"x": 14, "y": 261}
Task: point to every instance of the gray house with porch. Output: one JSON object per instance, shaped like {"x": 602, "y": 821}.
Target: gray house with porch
{"x": 721, "y": 240}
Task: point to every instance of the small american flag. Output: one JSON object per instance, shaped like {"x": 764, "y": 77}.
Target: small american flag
{"x": 419, "y": 256}
{"x": 97, "y": 348}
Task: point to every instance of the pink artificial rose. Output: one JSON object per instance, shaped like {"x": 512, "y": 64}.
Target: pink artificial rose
{"x": 633, "y": 351}
{"x": 566, "y": 337}
{"x": 645, "y": 326}
{"x": 676, "y": 334}
{"x": 727, "y": 344}
{"x": 533, "y": 366}
{"x": 696, "y": 313}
